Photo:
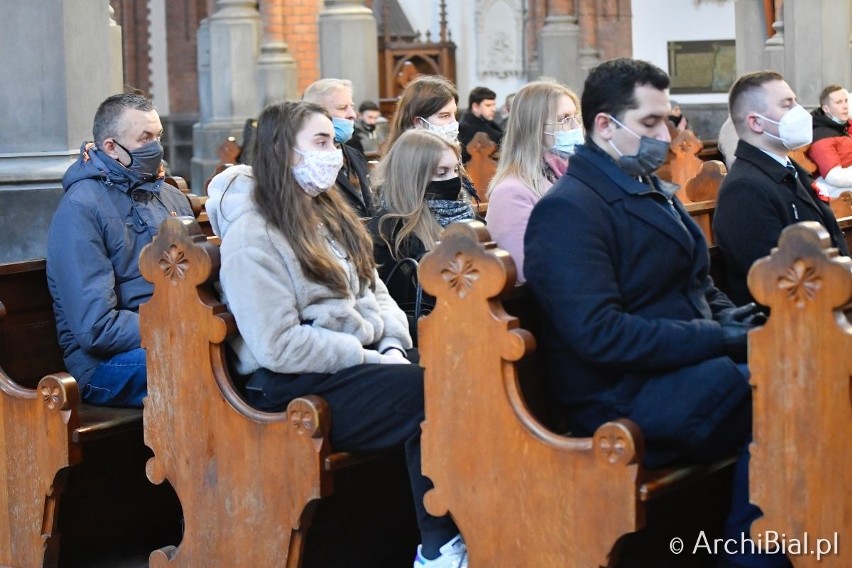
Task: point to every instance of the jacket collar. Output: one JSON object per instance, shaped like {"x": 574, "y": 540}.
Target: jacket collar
{"x": 778, "y": 173}
{"x": 590, "y": 164}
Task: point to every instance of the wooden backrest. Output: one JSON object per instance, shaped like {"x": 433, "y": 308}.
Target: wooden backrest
{"x": 38, "y": 415}
{"x": 801, "y": 157}
{"x": 29, "y": 348}
{"x": 704, "y": 185}
{"x": 685, "y": 164}
{"x": 482, "y": 164}
{"x": 504, "y": 476}
{"x": 801, "y": 363}
{"x": 842, "y": 205}
{"x": 246, "y": 479}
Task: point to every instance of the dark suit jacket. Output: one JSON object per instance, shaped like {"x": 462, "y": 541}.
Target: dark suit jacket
{"x": 621, "y": 279}
{"x": 470, "y": 125}
{"x": 757, "y": 199}
{"x": 361, "y": 197}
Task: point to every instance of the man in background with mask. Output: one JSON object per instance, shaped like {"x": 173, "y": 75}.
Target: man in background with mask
{"x": 114, "y": 202}
{"x": 370, "y": 130}
{"x": 831, "y": 149}
{"x": 353, "y": 180}
{"x": 765, "y": 190}
{"x": 632, "y": 323}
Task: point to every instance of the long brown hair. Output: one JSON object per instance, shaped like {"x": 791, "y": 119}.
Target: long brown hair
{"x": 403, "y": 176}
{"x": 297, "y": 215}
{"x": 424, "y": 96}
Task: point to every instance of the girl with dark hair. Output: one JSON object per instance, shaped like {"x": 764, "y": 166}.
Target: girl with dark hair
{"x": 314, "y": 318}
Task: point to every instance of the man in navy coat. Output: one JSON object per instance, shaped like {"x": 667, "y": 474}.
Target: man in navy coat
{"x": 633, "y": 325}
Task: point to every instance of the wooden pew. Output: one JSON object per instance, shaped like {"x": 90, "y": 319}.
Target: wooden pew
{"x": 801, "y": 455}
{"x": 517, "y": 489}
{"x": 698, "y": 195}
{"x": 685, "y": 164}
{"x": 249, "y": 481}
{"x": 45, "y": 428}
{"x": 482, "y": 164}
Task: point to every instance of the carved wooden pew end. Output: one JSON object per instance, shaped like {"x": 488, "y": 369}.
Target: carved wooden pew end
{"x": 249, "y": 481}
{"x": 503, "y": 475}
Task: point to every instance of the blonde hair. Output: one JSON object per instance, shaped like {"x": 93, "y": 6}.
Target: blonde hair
{"x": 318, "y": 91}
{"x": 402, "y": 177}
{"x": 522, "y": 149}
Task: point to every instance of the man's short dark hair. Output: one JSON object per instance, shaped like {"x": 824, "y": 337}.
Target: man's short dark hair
{"x": 368, "y": 105}
{"x": 610, "y": 87}
{"x": 824, "y": 96}
{"x": 479, "y": 94}
{"x": 108, "y": 116}
{"x": 746, "y": 95}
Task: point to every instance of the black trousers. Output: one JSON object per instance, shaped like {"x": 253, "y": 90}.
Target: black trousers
{"x": 373, "y": 408}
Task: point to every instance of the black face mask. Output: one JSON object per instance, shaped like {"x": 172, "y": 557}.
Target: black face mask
{"x": 448, "y": 189}
{"x": 144, "y": 160}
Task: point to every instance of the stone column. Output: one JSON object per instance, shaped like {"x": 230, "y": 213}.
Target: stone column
{"x": 349, "y": 46}
{"x": 836, "y": 46}
{"x": 773, "y": 52}
{"x": 228, "y": 50}
{"x": 116, "y": 65}
{"x": 60, "y": 56}
{"x": 803, "y": 56}
{"x": 276, "y": 67}
{"x": 559, "y": 43}
{"x": 751, "y": 35}
{"x": 589, "y": 53}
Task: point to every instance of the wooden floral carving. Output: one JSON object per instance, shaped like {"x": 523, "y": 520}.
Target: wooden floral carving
{"x": 174, "y": 264}
{"x": 460, "y": 275}
{"x": 800, "y": 282}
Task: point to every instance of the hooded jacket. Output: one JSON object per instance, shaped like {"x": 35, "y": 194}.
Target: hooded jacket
{"x": 831, "y": 151}
{"x": 104, "y": 219}
{"x": 289, "y": 323}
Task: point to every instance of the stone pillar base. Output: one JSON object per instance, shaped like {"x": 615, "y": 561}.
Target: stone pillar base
{"x": 206, "y": 139}
{"x": 559, "y": 51}
{"x": 30, "y": 190}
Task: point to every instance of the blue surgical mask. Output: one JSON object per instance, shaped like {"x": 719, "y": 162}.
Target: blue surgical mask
{"x": 834, "y": 119}
{"x": 566, "y": 141}
{"x": 343, "y": 129}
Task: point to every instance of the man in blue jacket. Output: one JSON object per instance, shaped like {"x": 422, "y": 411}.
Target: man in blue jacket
{"x": 114, "y": 202}
{"x": 633, "y": 325}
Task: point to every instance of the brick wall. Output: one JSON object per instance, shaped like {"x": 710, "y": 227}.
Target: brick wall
{"x": 182, "y": 20}
{"x": 301, "y": 32}
{"x": 132, "y": 16}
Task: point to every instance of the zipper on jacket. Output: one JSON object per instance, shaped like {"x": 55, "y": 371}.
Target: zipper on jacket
{"x": 795, "y": 212}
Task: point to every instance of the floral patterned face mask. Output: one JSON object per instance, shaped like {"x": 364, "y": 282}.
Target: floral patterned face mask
{"x": 318, "y": 170}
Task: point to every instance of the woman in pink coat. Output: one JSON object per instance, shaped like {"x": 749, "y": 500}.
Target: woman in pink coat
{"x": 543, "y": 129}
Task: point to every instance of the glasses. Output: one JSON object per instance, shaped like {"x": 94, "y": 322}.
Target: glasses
{"x": 569, "y": 122}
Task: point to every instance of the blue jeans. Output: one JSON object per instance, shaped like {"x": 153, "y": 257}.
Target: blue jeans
{"x": 119, "y": 381}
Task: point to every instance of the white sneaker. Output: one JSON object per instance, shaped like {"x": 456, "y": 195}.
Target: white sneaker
{"x": 453, "y": 555}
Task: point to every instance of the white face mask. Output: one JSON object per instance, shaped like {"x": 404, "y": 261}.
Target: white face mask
{"x": 449, "y": 132}
{"x": 795, "y": 129}
{"x": 318, "y": 170}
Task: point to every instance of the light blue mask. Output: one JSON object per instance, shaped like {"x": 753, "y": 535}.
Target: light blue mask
{"x": 343, "y": 129}
{"x": 566, "y": 141}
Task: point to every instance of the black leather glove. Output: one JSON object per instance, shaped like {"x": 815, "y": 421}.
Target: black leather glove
{"x": 735, "y": 335}
{"x": 750, "y": 314}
